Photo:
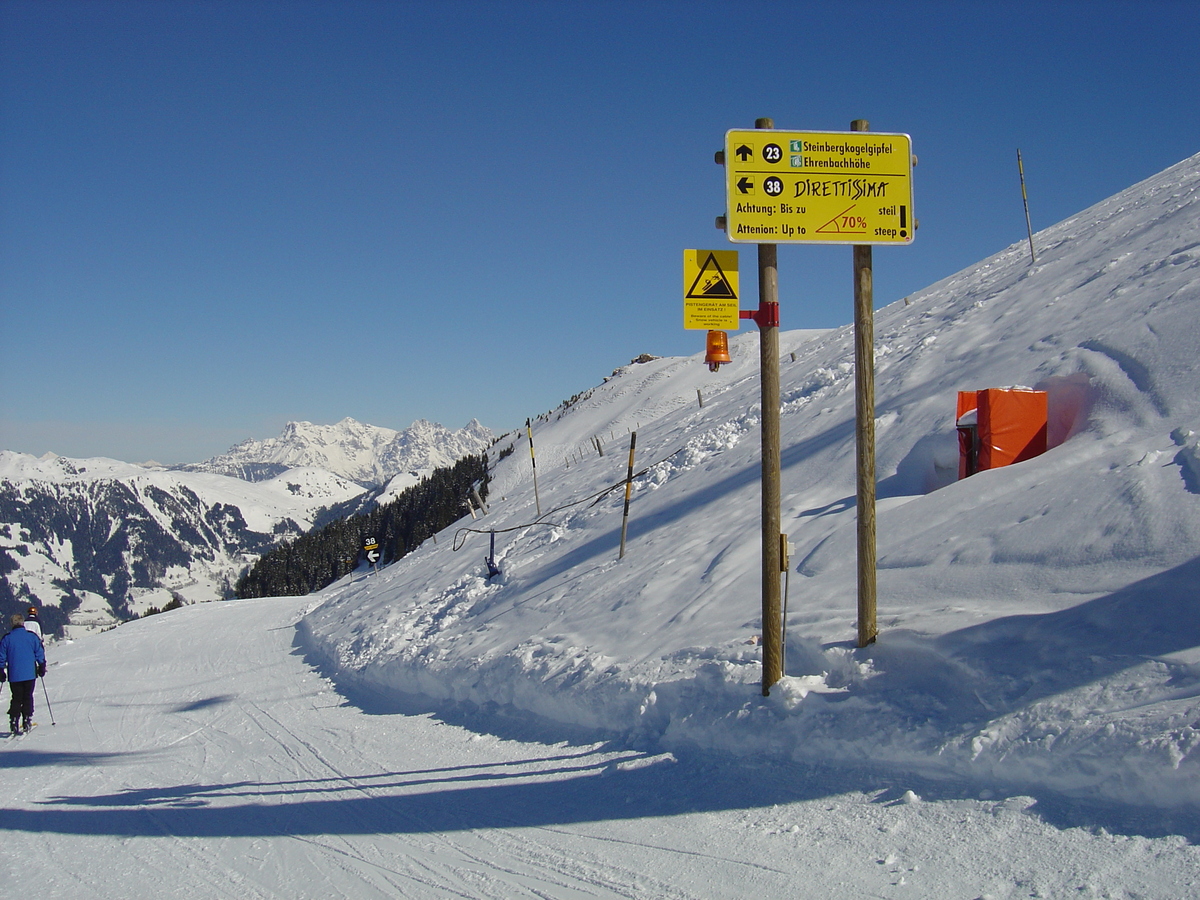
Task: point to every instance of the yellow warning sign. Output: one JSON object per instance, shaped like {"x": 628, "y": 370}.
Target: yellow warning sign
{"x": 830, "y": 187}
{"x": 710, "y": 290}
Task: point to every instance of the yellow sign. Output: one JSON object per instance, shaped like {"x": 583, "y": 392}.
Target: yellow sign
{"x": 822, "y": 187}
{"x": 710, "y": 290}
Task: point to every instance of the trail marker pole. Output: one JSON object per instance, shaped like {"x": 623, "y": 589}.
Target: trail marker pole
{"x": 864, "y": 430}
{"x": 371, "y": 550}
{"x": 628, "y": 491}
{"x": 1025, "y": 200}
{"x": 533, "y": 461}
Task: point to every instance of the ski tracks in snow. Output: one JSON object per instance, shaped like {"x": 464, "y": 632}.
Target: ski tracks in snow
{"x": 220, "y": 765}
{"x": 196, "y": 755}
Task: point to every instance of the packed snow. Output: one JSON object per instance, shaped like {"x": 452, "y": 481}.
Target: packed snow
{"x": 196, "y": 754}
{"x": 584, "y": 724}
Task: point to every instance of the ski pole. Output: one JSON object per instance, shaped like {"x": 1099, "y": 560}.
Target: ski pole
{"x": 46, "y": 694}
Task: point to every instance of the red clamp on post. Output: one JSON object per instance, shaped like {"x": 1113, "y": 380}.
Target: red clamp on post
{"x": 766, "y": 316}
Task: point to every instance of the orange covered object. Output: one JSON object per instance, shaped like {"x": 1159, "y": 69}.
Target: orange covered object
{"x": 1008, "y": 426}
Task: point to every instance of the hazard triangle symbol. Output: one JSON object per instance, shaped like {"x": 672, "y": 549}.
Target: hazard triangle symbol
{"x": 711, "y": 282}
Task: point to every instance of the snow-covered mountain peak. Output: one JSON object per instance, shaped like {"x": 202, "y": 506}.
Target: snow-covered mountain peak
{"x": 50, "y": 467}
{"x": 367, "y": 454}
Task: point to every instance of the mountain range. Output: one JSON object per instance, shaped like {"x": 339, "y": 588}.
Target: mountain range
{"x": 96, "y": 541}
{"x": 367, "y": 454}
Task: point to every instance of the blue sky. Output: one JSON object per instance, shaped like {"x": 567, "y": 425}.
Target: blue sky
{"x": 216, "y": 217}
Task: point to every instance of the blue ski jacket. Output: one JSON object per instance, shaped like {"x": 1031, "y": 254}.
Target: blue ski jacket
{"x": 20, "y": 652}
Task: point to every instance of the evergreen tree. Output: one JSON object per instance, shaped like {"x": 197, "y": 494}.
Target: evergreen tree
{"x": 314, "y": 560}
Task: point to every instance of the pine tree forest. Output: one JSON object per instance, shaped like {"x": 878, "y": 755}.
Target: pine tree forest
{"x": 314, "y": 560}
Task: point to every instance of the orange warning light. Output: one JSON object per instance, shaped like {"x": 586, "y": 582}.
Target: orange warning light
{"x": 716, "y": 350}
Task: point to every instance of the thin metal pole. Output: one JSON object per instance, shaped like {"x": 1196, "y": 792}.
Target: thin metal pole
{"x": 46, "y": 694}
{"x": 864, "y": 431}
{"x": 1025, "y": 200}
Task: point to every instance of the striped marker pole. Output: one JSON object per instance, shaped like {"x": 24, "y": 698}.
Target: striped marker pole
{"x": 533, "y": 461}
{"x": 628, "y": 491}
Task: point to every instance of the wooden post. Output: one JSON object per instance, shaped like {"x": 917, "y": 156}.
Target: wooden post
{"x": 628, "y": 491}
{"x": 864, "y": 413}
{"x": 768, "y": 294}
{"x": 768, "y": 334}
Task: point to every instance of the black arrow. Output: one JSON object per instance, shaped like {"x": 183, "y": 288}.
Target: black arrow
{"x": 745, "y": 186}
{"x": 743, "y": 152}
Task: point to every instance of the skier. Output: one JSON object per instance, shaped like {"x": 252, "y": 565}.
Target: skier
{"x": 22, "y": 660}
{"x": 33, "y": 624}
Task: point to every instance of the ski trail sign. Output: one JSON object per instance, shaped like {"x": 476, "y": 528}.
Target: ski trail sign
{"x": 819, "y": 187}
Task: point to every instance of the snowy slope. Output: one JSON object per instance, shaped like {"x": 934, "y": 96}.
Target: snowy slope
{"x": 195, "y": 755}
{"x": 1039, "y": 623}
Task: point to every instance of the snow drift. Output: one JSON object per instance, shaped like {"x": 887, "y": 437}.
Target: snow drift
{"x": 1038, "y": 622}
